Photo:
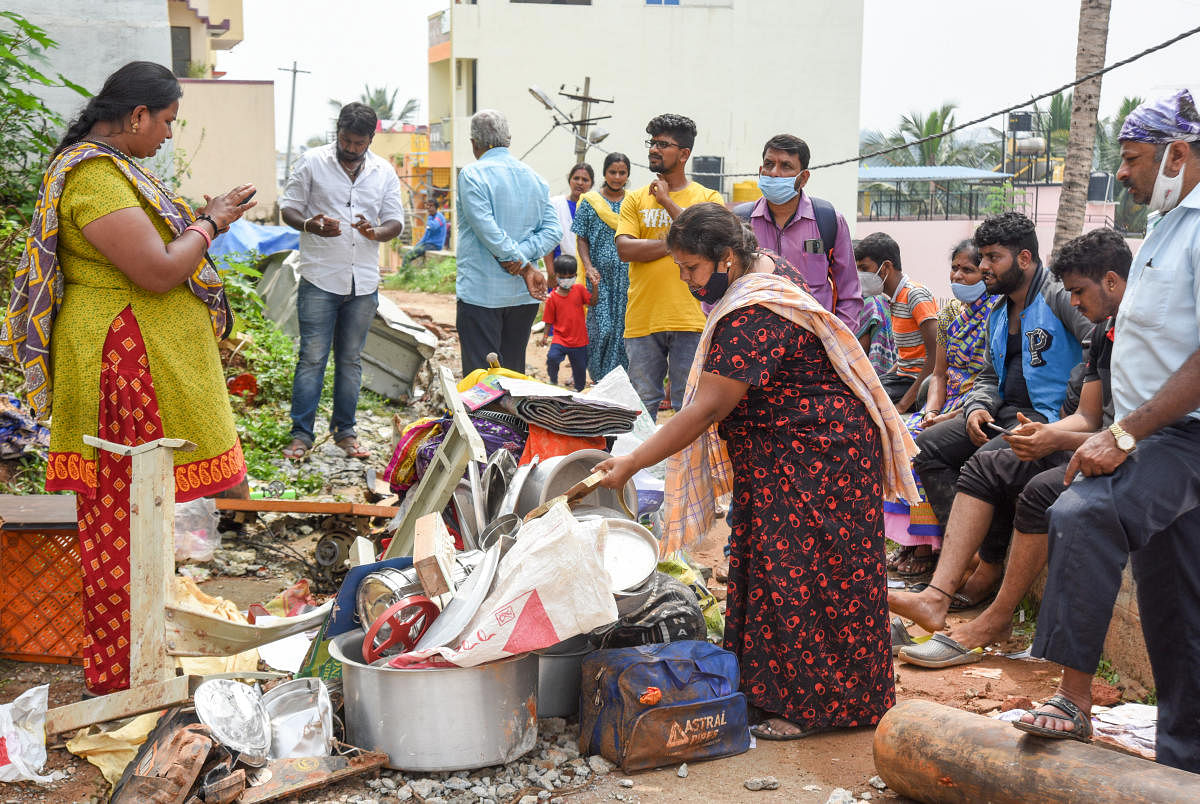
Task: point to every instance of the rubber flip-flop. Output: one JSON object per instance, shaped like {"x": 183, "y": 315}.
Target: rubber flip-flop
{"x": 960, "y": 602}
{"x": 296, "y": 451}
{"x": 352, "y": 448}
{"x": 1083, "y": 724}
{"x": 939, "y": 651}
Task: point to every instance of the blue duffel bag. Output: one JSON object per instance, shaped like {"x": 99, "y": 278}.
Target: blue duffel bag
{"x": 662, "y": 704}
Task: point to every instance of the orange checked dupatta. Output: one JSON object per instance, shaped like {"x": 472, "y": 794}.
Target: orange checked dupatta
{"x": 701, "y": 472}
{"x": 38, "y": 287}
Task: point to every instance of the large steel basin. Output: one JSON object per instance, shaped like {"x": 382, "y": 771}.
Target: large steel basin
{"x": 439, "y": 720}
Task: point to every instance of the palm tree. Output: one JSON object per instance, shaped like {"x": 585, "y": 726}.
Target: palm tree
{"x": 1090, "y": 46}
{"x": 1129, "y": 216}
{"x": 383, "y": 104}
{"x": 1054, "y": 123}
{"x": 915, "y": 126}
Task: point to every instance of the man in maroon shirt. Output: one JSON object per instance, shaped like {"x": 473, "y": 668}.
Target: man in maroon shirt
{"x": 784, "y": 222}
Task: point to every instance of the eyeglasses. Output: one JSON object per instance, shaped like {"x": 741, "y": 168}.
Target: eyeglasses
{"x": 661, "y": 145}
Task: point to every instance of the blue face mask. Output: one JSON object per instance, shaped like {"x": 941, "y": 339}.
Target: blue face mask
{"x": 968, "y": 294}
{"x": 713, "y": 289}
{"x": 778, "y": 189}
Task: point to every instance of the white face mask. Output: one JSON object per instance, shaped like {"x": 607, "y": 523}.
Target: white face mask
{"x": 1167, "y": 190}
{"x": 565, "y": 282}
{"x": 871, "y": 284}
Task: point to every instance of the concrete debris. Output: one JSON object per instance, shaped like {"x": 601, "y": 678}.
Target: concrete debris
{"x": 682, "y": 772}
{"x": 763, "y": 783}
{"x": 626, "y": 783}
{"x": 840, "y": 795}
{"x": 877, "y": 783}
{"x": 599, "y": 765}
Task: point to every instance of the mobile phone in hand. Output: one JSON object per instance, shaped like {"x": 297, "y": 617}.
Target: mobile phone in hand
{"x": 246, "y": 200}
{"x": 997, "y": 429}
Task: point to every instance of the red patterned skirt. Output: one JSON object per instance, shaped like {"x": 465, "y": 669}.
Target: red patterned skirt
{"x": 129, "y": 414}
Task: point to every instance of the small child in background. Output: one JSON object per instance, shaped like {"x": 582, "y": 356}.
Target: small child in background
{"x": 566, "y": 324}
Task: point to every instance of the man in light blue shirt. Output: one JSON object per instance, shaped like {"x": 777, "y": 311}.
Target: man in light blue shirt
{"x": 505, "y": 223}
{"x": 1139, "y": 497}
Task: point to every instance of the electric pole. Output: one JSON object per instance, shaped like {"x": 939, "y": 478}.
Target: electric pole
{"x": 287, "y": 165}
{"x": 581, "y": 126}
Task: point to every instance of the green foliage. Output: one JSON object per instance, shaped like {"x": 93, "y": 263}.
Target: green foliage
{"x": 383, "y": 104}
{"x": 947, "y": 150}
{"x": 1106, "y": 671}
{"x": 27, "y": 125}
{"x": 436, "y": 275}
{"x": 1129, "y": 216}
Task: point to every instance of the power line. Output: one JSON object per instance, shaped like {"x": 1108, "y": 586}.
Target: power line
{"x": 952, "y": 129}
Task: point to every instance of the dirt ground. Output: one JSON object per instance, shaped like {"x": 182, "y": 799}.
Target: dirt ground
{"x": 819, "y": 763}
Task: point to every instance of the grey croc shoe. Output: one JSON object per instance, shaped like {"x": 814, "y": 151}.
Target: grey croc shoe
{"x": 900, "y": 636}
{"x": 939, "y": 651}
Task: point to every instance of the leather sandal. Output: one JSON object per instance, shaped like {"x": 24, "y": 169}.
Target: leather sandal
{"x": 1081, "y": 724}
{"x": 296, "y": 451}
{"x": 352, "y": 448}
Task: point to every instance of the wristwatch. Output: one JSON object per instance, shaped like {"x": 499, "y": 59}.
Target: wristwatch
{"x": 1125, "y": 442}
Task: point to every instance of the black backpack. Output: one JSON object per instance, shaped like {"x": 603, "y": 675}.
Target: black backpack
{"x": 827, "y": 226}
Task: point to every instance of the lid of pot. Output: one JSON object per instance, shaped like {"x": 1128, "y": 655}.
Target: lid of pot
{"x": 235, "y": 713}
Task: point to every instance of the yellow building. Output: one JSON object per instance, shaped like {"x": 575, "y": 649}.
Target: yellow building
{"x": 225, "y": 135}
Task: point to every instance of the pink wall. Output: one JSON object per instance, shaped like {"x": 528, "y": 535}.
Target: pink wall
{"x": 925, "y": 245}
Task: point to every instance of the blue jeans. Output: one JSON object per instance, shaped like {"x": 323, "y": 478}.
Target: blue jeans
{"x": 659, "y": 356}
{"x": 337, "y": 321}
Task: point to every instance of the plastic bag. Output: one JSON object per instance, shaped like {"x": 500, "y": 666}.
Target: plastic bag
{"x": 23, "y": 736}
{"x": 550, "y": 586}
{"x": 196, "y": 533}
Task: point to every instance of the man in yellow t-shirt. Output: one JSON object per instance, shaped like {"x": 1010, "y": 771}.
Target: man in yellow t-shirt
{"x": 663, "y": 320}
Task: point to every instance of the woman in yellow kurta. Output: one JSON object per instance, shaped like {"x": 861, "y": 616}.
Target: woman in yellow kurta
{"x": 113, "y": 317}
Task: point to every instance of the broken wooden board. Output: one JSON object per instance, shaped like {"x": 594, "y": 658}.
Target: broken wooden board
{"x": 433, "y": 556}
{"x": 287, "y": 777}
{"x": 460, "y": 445}
{"x": 305, "y": 507}
{"x": 146, "y": 698}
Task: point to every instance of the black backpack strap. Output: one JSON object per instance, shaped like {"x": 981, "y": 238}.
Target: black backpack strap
{"x": 826, "y": 217}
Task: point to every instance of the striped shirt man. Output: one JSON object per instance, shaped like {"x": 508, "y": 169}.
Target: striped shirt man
{"x": 912, "y": 305}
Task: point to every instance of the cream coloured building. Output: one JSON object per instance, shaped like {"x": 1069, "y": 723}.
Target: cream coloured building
{"x": 742, "y": 69}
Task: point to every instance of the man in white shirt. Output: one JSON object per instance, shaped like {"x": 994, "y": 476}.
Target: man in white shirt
{"x": 1139, "y": 497}
{"x": 345, "y": 200}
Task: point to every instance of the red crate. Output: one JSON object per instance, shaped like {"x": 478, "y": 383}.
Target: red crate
{"x": 41, "y": 608}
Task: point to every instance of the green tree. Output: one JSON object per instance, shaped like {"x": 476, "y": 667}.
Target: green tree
{"x": 27, "y": 125}
{"x": 1129, "y": 216}
{"x": 383, "y": 104}
{"x": 1054, "y": 122}
{"x": 906, "y": 139}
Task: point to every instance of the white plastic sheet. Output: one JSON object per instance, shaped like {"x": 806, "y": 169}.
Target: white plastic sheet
{"x": 23, "y": 737}
{"x": 550, "y": 586}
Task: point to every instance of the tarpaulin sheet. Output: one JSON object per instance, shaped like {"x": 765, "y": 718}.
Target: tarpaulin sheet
{"x": 246, "y": 236}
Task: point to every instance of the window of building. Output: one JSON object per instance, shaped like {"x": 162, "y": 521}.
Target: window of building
{"x": 692, "y": 3}
{"x": 707, "y": 170}
{"x": 181, "y": 50}
{"x": 557, "y": 2}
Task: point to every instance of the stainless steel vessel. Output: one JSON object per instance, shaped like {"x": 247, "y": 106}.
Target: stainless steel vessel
{"x": 439, "y": 719}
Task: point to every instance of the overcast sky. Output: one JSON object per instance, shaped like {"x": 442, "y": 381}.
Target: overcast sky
{"x": 916, "y": 55}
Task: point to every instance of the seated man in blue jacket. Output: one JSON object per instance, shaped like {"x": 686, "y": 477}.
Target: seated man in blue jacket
{"x": 1033, "y": 343}
{"x": 435, "y": 234}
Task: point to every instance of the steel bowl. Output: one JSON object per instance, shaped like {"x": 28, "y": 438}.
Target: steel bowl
{"x": 443, "y": 719}
{"x": 563, "y": 473}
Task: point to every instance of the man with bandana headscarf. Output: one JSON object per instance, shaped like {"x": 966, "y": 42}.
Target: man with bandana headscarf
{"x": 1139, "y": 494}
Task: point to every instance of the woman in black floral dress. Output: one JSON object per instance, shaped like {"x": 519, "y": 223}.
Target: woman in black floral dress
{"x": 807, "y": 593}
